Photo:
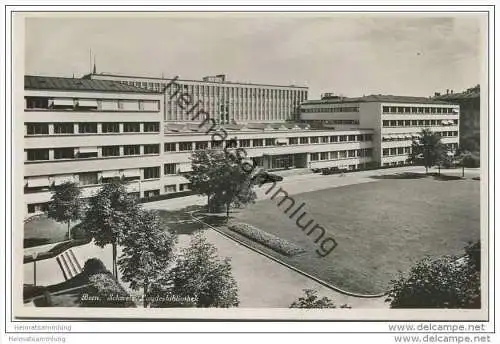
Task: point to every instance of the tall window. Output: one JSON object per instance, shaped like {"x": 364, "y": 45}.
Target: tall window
{"x": 152, "y": 172}
{"x": 244, "y": 143}
{"x": 37, "y": 129}
{"x": 37, "y": 154}
{"x": 314, "y": 139}
{"x": 314, "y": 156}
{"x": 352, "y": 138}
{"x": 304, "y": 140}
{"x": 324, "y": 156}
{"x": 110, "y": 151}
{"x": 334, "y": 139}
{"x": 131, "y": 150}
{"x": 169, "y": 147}
{"x": 131, "y": 127}
{"x": 37, "y": 102}
{"x": 170, "y": 169}
{"x": 110, "y": 127}
{"x": 201, "y": 145}
{"x": 270, "y": 142}
{"x": 258, "y": 142}
{"x": 87, "y": 128}
{"x": 88, "y": 179}
{"x": 64, "y": 128}
{"x": 293, "y": 140}
{"x": 185, "y": 146}
{"x": 151, "y": 149}
{"x": 151, "y": 127}
{"x": 64, "y": 153}
{"x": 324, "y": 139}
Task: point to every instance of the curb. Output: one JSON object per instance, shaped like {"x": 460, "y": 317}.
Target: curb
{"x": 320, "y": 281}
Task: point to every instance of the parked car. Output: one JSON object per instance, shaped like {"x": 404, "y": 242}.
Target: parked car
{"x": 332, "y": 170}
{"x": 266, "y": 177}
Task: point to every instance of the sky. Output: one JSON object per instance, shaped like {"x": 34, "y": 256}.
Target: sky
{"x": 345, "y": 54}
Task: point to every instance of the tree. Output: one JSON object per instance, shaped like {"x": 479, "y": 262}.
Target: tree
{"x": 112, "y": 213}
{"x": 147, "y": 251}
{"x": 200, "y": 275}
{"x": 311, "y": 300}
{"x": 427, "y": 150}
{"x": 467, "y": 159}
{"x": 219, "y": 175}
{"x": 446, "y": 282}
{"x": 65, "y": 205}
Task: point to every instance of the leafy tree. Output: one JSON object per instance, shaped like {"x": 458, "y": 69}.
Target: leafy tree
{"x": 112, "y": 213}
{"x": 311, "y": 300}
{"x": 427, "y": 150}
{"x": 218, "y": 174}
{"x": 199, "y": 274}
{"x": 65, "y": 204}
{"x": 446, "y": 282}
{"x": 147, "y": 251}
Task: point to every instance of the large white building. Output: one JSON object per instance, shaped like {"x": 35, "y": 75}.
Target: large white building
{"x": 88, "y": 131}
{"x": 92, "y": 130}
{"x": 223, "y": 100}
{"x": 395, "y": 121}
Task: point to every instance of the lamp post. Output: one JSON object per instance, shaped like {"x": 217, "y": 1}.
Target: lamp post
{"x": 34, "y": 255}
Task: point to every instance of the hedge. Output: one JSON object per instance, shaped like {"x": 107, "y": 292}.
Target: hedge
{"x": 271, "y": 241}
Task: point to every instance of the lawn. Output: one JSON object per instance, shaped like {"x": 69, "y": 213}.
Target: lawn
{"x": 42, "y": 230}
{"x": 381, "y": 227}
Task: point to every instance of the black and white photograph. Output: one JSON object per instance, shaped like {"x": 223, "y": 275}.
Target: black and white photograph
{"x": 274, "y": 165}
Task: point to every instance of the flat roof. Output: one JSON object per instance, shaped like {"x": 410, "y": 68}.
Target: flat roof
{"x": 194, "y": 128}
{"x": 36, "y": 82}
{"x": 376, "y": 99}
{"x": 89, "y": 76}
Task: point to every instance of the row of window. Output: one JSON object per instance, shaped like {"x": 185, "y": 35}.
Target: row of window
{"x": 42, "y": 207}
{"x": 407, "y": 150}
{"x": 426, "y": 109}
{"x": 345, "y": 154}
{"x": 43, "y": 154}
{"x": 396, "y": 151}
{"x": 48, "y": 103}
{"x": 245, "y": 143}
{"x": 331, "y": 109}
{"x": 418, "y": 123}
{"x": 92, "y": 128}
{"x": 232, "y": 92}
{"x": 404, "y": 137}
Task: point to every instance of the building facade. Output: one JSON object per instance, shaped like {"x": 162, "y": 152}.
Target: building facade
{"x": 395, "y": 121}
{"x": 223, "y": 100}
{"x": 88, "y": 132}
{"x": 93, "y": 130}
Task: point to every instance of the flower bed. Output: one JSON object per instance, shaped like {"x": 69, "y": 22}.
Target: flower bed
{"x": 271, "y": 241}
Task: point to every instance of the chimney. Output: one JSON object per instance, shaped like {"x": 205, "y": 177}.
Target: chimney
{"x": 447, "y": 91}
{"x": 437, "y": 94}
{"x": 451, "y": 91}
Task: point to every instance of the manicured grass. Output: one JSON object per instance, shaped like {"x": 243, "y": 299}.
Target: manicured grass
{"x": 380, "y": 227}
{"x": 42, "y": 231}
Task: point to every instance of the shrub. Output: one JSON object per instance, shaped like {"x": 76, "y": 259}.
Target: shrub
{"x": 271, "y": 241}
{"x": 311, "y": 300}
{"x": 471, "y": 161}
{"x": 79, "y": 232}
{"x": 105, "y": 291}
{"x": 94, "y": 266}
{"x": 446, "y": 282}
